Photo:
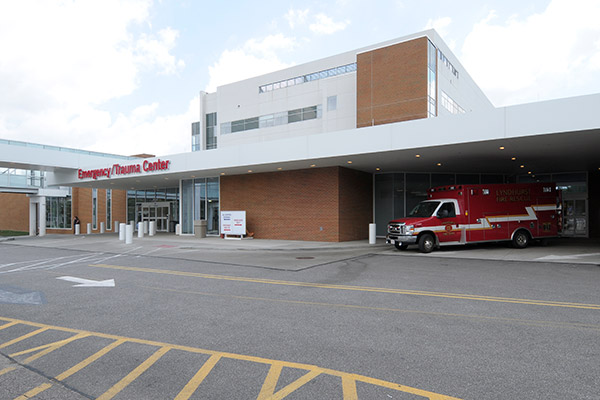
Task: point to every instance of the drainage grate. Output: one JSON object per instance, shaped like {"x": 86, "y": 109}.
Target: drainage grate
{"x": 304, "y": 258}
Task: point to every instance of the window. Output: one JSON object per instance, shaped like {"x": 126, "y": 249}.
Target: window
{"x": 294, "y": 115}
{"x": 211, "y": 126}
{"x": 309, "y": 113}
{"x": 196, "y": 136}
{"x": 431, "y": 80}
{"x": 344, "y": 69}
{"x": 58, "y": 212}
{"x": 332, "y": 103}
{"x": 280, "y": 118}
{"x": 108, "y": 209}
{"x": 447, "y": 210}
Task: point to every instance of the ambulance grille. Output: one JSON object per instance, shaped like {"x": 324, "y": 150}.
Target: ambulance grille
{"x": 398, "y": 229}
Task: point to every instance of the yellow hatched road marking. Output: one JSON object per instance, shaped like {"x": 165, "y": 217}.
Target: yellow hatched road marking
{"x": 8, "y": 325}
{"x": 357, "y": 288}
{"x": 349, "y": 388}
{"x": 193, "y": 384}
{"x": 34, "y": 392}
{"x": 164, "y": 347}
{"x": 20, "y": 338}
{"x": 47, "y": 348}
{"x": 6, "y": 370}
{"x": 133, "y": 375}
{"x": 89, "y": 360}
{"x": 268, "y": 387}
{"x": 298, "y": 383}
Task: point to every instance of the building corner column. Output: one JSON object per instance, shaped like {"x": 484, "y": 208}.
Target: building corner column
{"x": 42, "y": 216}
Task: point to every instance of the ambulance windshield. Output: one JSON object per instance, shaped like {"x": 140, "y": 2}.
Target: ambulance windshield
{"x": 424, "y": 209}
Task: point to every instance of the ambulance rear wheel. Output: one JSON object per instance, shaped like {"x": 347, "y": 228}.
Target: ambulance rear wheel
{"x": 521, "y": 239}
{"x": 426, "y": 243}
{"x": 401, "y": 246}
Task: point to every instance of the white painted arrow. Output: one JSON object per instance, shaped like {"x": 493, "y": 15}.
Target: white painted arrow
{"x": 88, "y": 282}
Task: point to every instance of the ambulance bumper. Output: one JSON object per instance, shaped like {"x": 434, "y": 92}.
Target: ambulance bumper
{"x": 393, "y": 239}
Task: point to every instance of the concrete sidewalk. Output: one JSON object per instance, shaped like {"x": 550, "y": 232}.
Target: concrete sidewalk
{"x": 563, "y": 250}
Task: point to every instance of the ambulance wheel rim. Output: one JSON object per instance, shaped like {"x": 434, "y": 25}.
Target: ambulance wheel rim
{"x": 521, "y": 240}
{"x": 426, "y": 243}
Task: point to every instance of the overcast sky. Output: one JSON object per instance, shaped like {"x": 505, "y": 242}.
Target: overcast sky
{"x": 123, "y": 76}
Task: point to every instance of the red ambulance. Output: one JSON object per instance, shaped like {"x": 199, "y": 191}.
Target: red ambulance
{"x": 462, "y": 214}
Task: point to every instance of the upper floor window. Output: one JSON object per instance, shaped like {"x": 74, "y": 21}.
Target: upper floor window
{"x": 343, "y": 69}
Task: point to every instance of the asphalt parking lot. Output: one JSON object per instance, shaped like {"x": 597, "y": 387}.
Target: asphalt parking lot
{"x": 176, "y": 317}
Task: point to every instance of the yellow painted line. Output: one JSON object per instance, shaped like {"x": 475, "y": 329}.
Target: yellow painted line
{"x": 298, "y": 383}
{"x": 349, "y": 388}
{"x": 241, "y": 357}
{"x": 47, "y": 348}
{"x": 193, "y": 384}
{"x": 34, "y": 392}
{"x": 356, "y": 288}
{"x": 6, "y": 370}
{"x": 20, "y": 338}
{"x": 8, "y": 325}
{"x": 133, "y": 375}
{"x": 268, "y": 387}
{"x": 89, "y": 360}
{"x": 387, "y": 309}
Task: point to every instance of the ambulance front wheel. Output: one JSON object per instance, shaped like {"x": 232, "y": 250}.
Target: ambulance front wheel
{"x": 521, "y": 239}
{"x": 426, "y": 243}
{"x": 401, "y": 246}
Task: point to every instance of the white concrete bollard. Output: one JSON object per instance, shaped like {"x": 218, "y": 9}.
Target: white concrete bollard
{"x": 132, "y": 224}
{"x": 77, "y": 229}
{"x": 129, "y": 234}
{"x": 372, "y": 234}
{"x": 140, "y": 230}
{"x": 102, "y": 230}
{"x": 117, "y": 226}
{"x": 177, "y": 229}
{"x": 122, "y": 231}
{"x": 152, "y": 228}
{"x": 89, "y": 228}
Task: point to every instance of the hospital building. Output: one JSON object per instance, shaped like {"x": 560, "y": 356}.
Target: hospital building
{"x": 318, "y": 151}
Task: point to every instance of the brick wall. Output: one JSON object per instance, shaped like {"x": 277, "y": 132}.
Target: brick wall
{"x": 356, "y": 204}
{"x": 302, "y": 204}
{"x": 14, "y": 212}
{"x": 392, "y": 84}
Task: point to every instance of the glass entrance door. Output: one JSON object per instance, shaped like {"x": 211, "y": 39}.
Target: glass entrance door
{"x": 158, "y": 212}
{"x": 575, "y": 218}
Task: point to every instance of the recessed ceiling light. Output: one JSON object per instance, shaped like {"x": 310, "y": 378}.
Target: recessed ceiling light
{"x": 192, "y": 176}
{"x": 417, "y": 155}
{"x": 529, "y": 172}
{"x": 249, "y": 170}
{"x": 514, "y": 158}
{"x": 312, "y": 165}
{"x": 279, "y": 168}
{"x": 439, "y": 164}
{"x": 377, "y": 169}
{"x": 501, "y": 147}
{"x": 222, "y": 173}
{"x": 522, "y": 166}
{"x": 349, "y": 162}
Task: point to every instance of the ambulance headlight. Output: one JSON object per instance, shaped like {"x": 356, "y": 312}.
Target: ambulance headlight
{"x": 410, "y": 229}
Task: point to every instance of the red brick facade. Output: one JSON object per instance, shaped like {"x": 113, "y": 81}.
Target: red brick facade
{"x": 391, "y": 84}
{"x": 14, "y": 210}
{"x": 322, "y": 204}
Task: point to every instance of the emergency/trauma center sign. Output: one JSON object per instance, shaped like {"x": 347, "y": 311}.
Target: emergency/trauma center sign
{"x": 233, "y": 222}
